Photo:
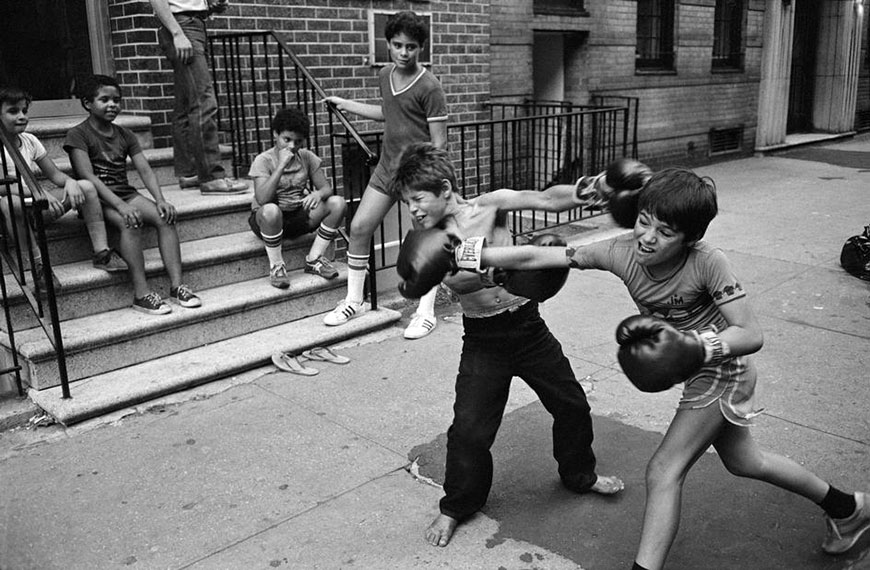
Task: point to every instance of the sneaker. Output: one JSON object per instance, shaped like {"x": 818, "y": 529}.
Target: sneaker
{"x": 322, "y": 267}
{"x": 184, "y": 296}
{"x": 109, "y": 260}
{"x": 278, "y": 276}
{"x": 188, "y": 181}
{"x": 344, "y": 312}
{"x": 844, "y": 533}
{"x": 420, "y": 326}
{"x": 223, "y": 186}
{"x": 40, "y": 278}
{"x": 152, "y": 304}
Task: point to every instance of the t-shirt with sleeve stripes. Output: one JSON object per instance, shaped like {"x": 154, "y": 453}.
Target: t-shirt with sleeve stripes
{"x": 688, "y": 297}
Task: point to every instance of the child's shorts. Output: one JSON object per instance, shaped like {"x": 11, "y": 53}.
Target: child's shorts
{"x": 731, "y": 384}
{"x": 125, "y": 193}
{"x": 295, "y": 223}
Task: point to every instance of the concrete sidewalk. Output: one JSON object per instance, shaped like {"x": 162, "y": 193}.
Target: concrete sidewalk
{"x": 340, "y": 470}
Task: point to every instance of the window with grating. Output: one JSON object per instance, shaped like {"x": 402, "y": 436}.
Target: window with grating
{"x": 655, "y": 35}
{"x": 726, "y": 140}
{"x": 728, "y": 35}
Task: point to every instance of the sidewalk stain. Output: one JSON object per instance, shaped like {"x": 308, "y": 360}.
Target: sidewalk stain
{"x": 727, "y": 523}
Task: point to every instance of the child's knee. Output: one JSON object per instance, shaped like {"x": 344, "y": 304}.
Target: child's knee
{"x": 362, "y": 228}
{"x": 89, "y": 190}
{"x": 336, "y": 204}
{"x": 270, "y": 214}
{"x": 661, "y": 473}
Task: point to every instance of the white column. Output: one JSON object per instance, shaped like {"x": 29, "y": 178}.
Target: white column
{"x": 837, "y": 66}
{"x": 775, "y": 73}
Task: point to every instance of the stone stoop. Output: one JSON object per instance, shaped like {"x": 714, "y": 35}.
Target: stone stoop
{"x": 111, "y": 391}
{"x": 117, "y": 357}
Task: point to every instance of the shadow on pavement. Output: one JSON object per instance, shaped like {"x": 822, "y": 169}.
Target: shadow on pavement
{"x": 728, "y": 523}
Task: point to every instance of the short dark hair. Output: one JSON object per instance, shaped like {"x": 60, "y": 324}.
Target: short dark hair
{"x": 407, "y": 23}
{"x": 89, "y": 87}
{"x": 423, "y": 166}
{"x": 292, "y": 120}
{"x": 682, "y": 199}
{"x": 11, "y": 95}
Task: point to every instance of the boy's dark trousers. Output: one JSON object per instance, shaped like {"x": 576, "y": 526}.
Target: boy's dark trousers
{"x": 495, "y": 349}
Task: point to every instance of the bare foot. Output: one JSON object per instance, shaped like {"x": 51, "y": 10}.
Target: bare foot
{"x": 607, "y": 485}
{"x": 441, "y": 530}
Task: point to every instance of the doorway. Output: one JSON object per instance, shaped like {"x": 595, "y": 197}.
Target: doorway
{"x": 47, "y": 45}
{"x": 807, "y": 16}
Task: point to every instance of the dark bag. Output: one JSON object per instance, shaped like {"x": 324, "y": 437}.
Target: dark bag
{"x": 855, "y": 257}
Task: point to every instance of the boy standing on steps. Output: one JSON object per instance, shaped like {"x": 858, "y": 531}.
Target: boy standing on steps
{"x": 284, "y": 205}
{"x": 413, "y": 110}
{"x": 69, "y": 193}
{"x": 98, "y": 150}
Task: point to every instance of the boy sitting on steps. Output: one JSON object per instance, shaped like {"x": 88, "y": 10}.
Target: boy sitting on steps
{"x": 98, "y": 150}
{"x": 67, "y": 195}
{"x": 284, "y": 205}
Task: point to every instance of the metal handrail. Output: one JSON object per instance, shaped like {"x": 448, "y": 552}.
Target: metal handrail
{"x": 33, "y": 210}
{"x": 247, "y": 92}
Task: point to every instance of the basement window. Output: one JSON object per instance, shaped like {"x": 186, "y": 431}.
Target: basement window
{"x": 723, "y": 141}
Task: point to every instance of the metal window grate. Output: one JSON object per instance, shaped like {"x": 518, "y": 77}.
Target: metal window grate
{"x": 726, "y": 140}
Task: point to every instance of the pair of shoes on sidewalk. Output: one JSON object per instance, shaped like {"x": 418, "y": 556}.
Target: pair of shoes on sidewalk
{"x": 153, "y": 303}
{"x": 294, "y": 363}
{"x": 844, "y": 533}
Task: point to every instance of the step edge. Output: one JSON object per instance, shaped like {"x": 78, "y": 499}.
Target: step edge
{"x": 34, "y": 346}
{"x": 69, "y": 412}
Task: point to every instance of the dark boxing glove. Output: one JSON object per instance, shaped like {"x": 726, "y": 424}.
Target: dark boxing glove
{"x": 425, "y": 258}
{"x": 626, "y": 178}
{"x": 654, "y": 355}
{"x": 535, "y": 284}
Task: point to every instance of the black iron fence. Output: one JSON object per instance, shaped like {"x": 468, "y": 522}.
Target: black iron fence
{"x": 527, "y": 146}
{"x": 24, "y": 256}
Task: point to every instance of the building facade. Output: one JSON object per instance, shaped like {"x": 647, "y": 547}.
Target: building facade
{"x": 712, "y": 77}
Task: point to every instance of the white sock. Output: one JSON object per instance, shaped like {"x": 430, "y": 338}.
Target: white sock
{"x": 317, "y": 248}
{"x": 356, "y": 280}
{"x": 275, "y": 255}
{"x": 427, "y": 303}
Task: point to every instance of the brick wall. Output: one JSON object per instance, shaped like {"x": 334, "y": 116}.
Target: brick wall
{"x": 330, "y": 36}
{"x": 677, "y": 110}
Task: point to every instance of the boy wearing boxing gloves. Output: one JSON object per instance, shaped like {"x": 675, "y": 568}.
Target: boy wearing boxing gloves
{"x": 697, "y": 327}
{"x": 505, "y": 336}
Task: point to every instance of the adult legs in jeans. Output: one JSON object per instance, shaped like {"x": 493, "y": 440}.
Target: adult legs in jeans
{"x": 194, "y": 125}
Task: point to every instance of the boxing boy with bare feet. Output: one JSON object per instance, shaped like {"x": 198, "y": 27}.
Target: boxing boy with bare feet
{"x": 504, "y": 336}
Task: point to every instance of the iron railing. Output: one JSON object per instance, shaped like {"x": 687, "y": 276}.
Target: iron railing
{"x": 532, "y": 145}
{"x": 16, "y": 253}
{"x": 257, "y": 73}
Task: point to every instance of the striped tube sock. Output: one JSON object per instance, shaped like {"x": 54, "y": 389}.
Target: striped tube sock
{"x": 324, "y": 237}
{"x": 273, "y": 248}
{"x": 356, "y": 277}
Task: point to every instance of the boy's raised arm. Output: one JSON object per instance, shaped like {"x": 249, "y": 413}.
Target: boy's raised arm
{"x": 556, "y": 198}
